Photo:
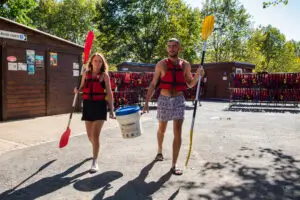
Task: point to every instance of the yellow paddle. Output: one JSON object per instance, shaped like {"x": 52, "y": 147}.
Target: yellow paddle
{"x": 207, "y": 29}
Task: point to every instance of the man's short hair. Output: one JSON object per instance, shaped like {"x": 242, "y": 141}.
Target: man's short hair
{"x": 174, "y": 40}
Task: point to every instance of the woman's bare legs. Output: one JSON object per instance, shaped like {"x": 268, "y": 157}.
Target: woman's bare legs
{"x": 93, "y": 129}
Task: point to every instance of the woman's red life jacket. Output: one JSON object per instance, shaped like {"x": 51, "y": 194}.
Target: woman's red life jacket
{"x": 174, "y": 77}
{"x": 93, "y": 89}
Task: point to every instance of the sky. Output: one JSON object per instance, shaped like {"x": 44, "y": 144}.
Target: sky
{"x": 284, "y": 17}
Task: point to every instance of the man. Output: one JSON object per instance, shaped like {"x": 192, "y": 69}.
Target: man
{"x": 173, "y": 74}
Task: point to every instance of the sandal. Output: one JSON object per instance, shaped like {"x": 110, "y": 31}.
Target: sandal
{"x": 176, "y": 171}
{"x": 159, "y": 157}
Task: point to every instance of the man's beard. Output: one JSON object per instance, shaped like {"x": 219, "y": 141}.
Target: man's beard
{"x": 175, "y": 55}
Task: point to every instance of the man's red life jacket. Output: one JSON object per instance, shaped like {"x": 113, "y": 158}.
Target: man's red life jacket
{"x": 93, "y": 89}
{"x": 174, "y": 77}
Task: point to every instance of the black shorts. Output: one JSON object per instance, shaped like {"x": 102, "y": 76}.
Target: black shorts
{"x": 94, "y": 110}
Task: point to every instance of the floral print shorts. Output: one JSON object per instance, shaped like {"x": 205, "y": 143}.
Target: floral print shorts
{"x": 170, "y": 108}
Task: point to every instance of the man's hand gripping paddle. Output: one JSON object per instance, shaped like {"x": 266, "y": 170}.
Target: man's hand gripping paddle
{"x": 207, "y": 29}
{"x": 87, "y": 48}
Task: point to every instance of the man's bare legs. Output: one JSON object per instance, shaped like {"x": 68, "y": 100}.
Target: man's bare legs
{"x": 162, "y": 126}
{"x": 177, "y": 128}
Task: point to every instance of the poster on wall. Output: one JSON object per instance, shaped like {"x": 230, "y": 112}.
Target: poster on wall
{"x": 224, "y": 76}
{"x": 53, "y": 59}
{"x": 30, "y": 57}
{"x": 238, "y": 71}
{"x": 12, "y": 66}
{"x": 39, "y": 61}
{"x": 22, "y": 66}
{"x": 75, "y": 66}
{"x": 75, "y": 72}
{"x": 31, "y": 69}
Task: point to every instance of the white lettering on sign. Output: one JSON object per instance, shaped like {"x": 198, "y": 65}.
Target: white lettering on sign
{"x": 13, "y": 35}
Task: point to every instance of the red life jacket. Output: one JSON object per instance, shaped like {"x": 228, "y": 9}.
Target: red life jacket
{"x": 174, "y": 77}
{"x": 93, "y": 89}
{"x": 113, "y": 83}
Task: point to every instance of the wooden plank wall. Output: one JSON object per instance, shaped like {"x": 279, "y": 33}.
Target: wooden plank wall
{"x": 61, "y": 85}
{"x": 25, "y": 94}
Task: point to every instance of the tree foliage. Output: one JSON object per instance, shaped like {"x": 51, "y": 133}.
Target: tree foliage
{"x": 274, "y": 2}
{"x": 269, "y": 51}
{"x": 69, "y": 19}
{"x": 232, "y": 27}
{"x": 18, "y": 10}
{"x": 138, "y": 30}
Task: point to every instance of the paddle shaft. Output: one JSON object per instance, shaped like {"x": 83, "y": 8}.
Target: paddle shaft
{"x": 195, "y": 106}
{"x": 73, "y": 108}
{"x": 76, "y": 95}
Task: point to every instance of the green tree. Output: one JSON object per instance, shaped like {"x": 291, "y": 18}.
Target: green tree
{"x": 274, "y": 2}
{"x": 183, "y": 23}
{"x": 296, "y": 47}
{"x": 130, "y": 30}
{"x": 253, "y": 52}
{"x": 272, "y": 47}
{"x": 269, "y": 51}
{"x": 296, "y": 66}
{"x": 231, "y": 31}
{"x": 68, "y": 19}
{"x": 44, "y": 15}
{"x": 138, "y": 30}
{"x": 18, "y": 10}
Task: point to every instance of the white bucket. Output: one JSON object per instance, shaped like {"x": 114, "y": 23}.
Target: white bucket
{"x": 129, "y": 121}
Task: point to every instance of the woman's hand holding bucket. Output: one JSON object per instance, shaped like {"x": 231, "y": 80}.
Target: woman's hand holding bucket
{"x": 112, "y": 115}
{"x": 145, "y": 109}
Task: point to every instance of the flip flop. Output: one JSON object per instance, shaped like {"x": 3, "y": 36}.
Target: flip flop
{"x": 176, "y": 171}
{"x": 159, "y": 157}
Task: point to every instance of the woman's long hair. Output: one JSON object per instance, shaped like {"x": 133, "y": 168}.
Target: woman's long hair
{"x": 104, "y": 67}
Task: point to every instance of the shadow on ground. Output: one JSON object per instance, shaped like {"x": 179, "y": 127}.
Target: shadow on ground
{"x": 96, "y": 182}
{"x": 43, "y": 186}
{"x": 137, "y": 188}
{"x": 278, "y": 180}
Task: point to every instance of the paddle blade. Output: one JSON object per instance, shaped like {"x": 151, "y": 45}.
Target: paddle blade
{"x": 88, "y": 45}
{"x": 64, "y": 138}
{"x": 208, "y": 26}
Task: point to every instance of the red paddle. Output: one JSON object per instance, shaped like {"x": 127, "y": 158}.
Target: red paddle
{"x": 87, "y": 48}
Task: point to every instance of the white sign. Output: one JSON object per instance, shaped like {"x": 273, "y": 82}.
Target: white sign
{"x": 238, "y": 71}
{"x": 75, "y": 66}
{"x": 22, "y": 66}
{"x": 75, "y": 72}
{"x": 12, "y": 66}
{"x": 13, "y": 35}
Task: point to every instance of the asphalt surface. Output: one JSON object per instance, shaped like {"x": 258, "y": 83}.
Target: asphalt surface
{"x": 236, "y": 155}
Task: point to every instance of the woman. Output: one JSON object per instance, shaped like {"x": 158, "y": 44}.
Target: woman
{"x": 95, "y": 86}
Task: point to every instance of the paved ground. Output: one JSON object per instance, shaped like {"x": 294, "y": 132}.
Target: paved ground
{"x": 236, "y": 155}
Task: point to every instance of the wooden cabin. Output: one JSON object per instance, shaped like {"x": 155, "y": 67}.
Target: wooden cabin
{"x": 38, "y": 72}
